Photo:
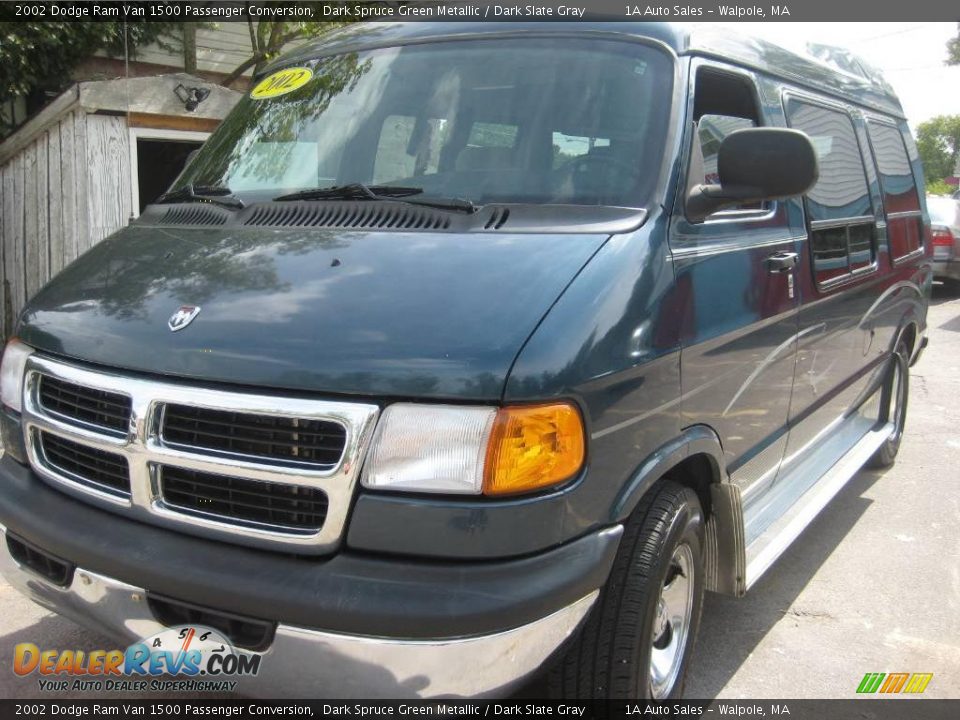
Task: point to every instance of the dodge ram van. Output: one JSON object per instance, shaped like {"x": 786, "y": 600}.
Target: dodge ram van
{"x": 465, "y": 352}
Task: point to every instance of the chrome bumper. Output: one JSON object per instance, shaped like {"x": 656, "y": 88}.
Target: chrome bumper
{"x": 305, "y": 663}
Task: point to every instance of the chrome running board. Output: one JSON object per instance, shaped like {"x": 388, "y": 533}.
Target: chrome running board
{"x": 767, "y": 539}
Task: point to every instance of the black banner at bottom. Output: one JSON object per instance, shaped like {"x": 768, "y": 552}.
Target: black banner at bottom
{"x": 853, "y": 709}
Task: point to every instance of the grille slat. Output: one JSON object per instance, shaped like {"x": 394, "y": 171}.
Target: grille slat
{"x": 173, "y": 428}
{"x": 252, "y": 498}
{"x": 282, "y": 440}
{"x": 86, "y": 464}
{"x": 277, "y": 504}
{"x": 192, "y": 423}
{"x": 83, "y": 405}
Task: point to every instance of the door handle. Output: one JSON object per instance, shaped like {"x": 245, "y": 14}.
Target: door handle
{"x": 782, "y": 262}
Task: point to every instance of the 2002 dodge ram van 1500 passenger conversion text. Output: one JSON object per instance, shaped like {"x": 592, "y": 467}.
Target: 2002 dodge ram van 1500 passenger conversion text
{"x": 459, "y": 351}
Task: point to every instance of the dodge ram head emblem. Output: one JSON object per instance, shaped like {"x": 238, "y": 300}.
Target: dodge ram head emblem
{"x": 183, "y": 317}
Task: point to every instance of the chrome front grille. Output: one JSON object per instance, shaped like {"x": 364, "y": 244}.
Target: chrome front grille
{"x": 268, "y": 471}
{"x": 77, "y": 404}
{"x": 104, "y": 471}
{"x": 271, "y": 439}
{"x": 296, "y": 507}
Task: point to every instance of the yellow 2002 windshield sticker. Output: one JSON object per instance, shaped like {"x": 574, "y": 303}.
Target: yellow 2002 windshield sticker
{"x": 281, "y": 82}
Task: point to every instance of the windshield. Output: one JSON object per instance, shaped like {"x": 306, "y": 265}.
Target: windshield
{"x": 522, "y": 120}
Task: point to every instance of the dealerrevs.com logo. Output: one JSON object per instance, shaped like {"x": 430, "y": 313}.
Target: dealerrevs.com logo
{"x": 187, "y": 658}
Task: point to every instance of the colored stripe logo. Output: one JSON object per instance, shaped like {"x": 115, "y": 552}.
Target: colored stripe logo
{"x": 894, "y": 683}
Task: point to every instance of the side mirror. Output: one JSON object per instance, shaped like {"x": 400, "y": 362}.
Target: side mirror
{"x": 753, "y": 165}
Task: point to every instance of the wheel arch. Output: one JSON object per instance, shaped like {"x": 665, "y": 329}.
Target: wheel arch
{"x": 695, "y": 459}
{"x": 909, "y": 332}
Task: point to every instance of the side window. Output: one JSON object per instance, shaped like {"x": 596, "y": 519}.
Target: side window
{"x": 901, "y": 201}
{"x": 841, "y": 218}
{"x": 723, "y": 103}
{"x": 712, "y": 129}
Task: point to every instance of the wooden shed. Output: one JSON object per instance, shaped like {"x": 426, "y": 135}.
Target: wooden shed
{"x": 86, "y": 164}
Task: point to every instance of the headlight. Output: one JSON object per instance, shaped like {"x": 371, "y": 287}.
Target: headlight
{"x": 11, "y": 373}
{"x": 474, "y": 450}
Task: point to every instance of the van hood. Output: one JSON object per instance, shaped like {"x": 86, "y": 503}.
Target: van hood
{"x": 439, "y": 315}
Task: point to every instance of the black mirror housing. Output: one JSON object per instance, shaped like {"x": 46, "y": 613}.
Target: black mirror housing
{"x": 754, "y": 165}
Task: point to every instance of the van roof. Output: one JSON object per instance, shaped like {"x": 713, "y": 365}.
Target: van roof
{"x": 822, "y": 68}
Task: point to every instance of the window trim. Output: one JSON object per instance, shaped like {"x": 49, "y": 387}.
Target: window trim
{"x": 732, "y": 215}
{"x": 852, "y": 275}
{"x": 874, "y": 119}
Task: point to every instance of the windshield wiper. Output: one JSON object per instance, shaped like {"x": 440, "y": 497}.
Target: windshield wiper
{"x": 203, "y": 193}
{"x": 352, "y": 191}
{"x": 395, "y": 193}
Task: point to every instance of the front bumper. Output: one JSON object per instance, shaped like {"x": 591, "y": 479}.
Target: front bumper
{"x": 311, "y": 663}
{"x": 347, "y": 626}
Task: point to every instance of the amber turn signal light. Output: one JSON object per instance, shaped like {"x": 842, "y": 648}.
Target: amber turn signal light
{"x": 533, "y": 447}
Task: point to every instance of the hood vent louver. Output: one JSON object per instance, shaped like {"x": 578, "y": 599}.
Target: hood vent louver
{"x": 194, "y": 214}
{"x": 396, "y": 216}
{"x": 497, "y": 218}
{"x": 350, "y": 215}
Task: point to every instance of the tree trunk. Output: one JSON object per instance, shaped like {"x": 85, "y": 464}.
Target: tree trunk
{"x": 189, "y": 47}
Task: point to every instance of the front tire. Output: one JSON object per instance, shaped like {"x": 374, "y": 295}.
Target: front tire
{"x": 638, "y": 640}
{"x": 893, "y": 401}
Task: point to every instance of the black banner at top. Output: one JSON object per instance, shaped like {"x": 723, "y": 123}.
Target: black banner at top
{"x": 238, "y": 707}
{"x": 479, "y": 10}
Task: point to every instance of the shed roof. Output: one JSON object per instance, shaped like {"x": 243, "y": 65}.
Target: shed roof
{"x": 151, "y": 95}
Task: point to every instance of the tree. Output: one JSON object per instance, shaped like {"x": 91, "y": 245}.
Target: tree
{"x": 189, "y": 31}
{"x": 938, "y": 142}
{"x": 36, "y": 58}
{"x": 268, "y": 38}
{"x": 953, "y": 49}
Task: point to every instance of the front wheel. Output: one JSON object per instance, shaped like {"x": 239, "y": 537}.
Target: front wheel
{"x": 893, "y": 401}
{"x": 638, "y": 640}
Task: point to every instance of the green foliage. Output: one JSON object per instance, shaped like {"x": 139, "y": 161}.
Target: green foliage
{"x": 953, "y": 49}
{"x": 267, "y": 39}
{"x": 257, "y": 139}
{"x": 938, "y": 141}
{"x": 939, "y": 187}
{"x": 38, "y": 57}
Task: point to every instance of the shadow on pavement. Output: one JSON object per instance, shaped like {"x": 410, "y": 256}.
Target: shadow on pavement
{"x": 731, "y": 628}
{"x": 944, "y": 293}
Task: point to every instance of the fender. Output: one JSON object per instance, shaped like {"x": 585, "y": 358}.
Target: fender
{"x": 725, "y": 551}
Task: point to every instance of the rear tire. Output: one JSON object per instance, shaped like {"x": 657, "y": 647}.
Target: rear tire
{"x": 893, "y": 401}
{"x": 638, "y": 639}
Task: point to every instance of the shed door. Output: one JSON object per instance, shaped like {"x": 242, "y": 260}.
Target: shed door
{"x": 157, "y": 158}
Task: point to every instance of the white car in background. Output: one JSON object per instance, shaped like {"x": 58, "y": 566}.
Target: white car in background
{"x": 945, "y": 230}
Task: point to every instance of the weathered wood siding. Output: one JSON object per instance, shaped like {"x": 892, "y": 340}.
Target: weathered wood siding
{"x": 220, "y": 48}
{"x": 59, "y": 196}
